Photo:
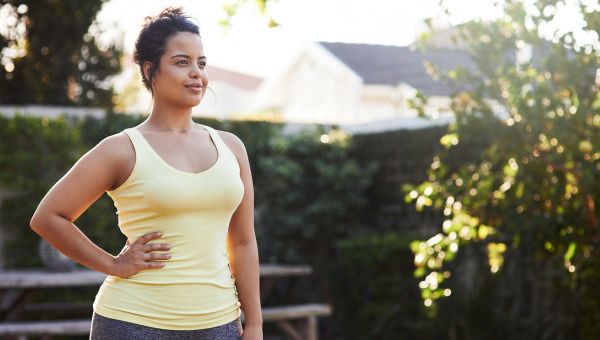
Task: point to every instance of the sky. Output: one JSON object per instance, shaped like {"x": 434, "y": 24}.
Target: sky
{"x": 251, "y": 47}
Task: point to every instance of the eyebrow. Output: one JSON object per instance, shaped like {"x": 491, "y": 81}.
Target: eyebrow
{"x": 186, "y": 56}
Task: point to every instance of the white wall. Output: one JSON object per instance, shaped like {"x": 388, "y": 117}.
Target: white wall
{"x": 225, "y": 100}
{"x": 316, "y": 88}
{"x": 49, "y": 111}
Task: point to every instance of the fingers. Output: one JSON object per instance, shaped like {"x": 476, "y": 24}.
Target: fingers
{"x": 156, "y": 246}
{"x": 144, "y": 239}
{"x": 146, "y": 260}
{"x": 146, "y": 248}
{"x": 155, "y": 256}
{"x": 151, "y": 265}
{"x": 148, "y": 237}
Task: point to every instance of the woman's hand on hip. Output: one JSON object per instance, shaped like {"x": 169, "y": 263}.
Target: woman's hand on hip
{"x": 138, "y": 256}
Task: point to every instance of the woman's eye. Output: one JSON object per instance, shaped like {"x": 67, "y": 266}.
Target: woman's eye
{"x": 185, "y": 61}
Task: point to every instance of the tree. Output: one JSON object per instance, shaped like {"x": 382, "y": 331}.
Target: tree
{"x": 231, "y": 9}
{"x": 50, "y": 55}
{"x": 526, "y": 195}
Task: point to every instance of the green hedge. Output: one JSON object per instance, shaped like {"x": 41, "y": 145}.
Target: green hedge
{"x": 318, "y": 203}
{"x": 306, "y": 190}
{"x": 377, "y": 296}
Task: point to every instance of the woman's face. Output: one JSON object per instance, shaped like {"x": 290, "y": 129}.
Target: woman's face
{"x": 182, "y": 66}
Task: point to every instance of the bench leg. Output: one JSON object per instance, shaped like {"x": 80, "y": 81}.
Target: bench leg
{"x": 289, "y": 329}
{"x": 308, "y": 329}
{"x": 311, "y": 328}
{"x": 15, "y": 304}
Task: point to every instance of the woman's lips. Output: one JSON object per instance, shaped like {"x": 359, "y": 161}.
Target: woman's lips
{"x": 194, "y": 89}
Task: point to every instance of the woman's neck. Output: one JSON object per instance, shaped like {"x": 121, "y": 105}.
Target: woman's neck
{"x": 176, "y": 119}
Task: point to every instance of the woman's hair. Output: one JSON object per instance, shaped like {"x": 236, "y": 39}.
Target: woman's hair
{"x": 150, "y": 44}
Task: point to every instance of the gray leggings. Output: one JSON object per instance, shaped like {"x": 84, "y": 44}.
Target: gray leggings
{"x": 104, "y": 328}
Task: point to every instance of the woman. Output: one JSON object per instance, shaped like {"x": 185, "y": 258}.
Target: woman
{"x": 189, "y": 182}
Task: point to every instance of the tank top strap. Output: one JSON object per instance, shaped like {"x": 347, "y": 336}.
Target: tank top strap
{"x": 142, "y": 150}
{"x": 227, "y": 156}
{"x": 219, "y": 143}
{"x": 136, "y": 138}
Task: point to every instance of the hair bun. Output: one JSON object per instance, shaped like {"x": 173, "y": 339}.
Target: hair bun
{"x": 172, "y": 12}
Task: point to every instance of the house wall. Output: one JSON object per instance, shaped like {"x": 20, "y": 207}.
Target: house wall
{"x": 316, "y": 88}
{"x": 225, "y": 101}
{"x": 379, "y": 102}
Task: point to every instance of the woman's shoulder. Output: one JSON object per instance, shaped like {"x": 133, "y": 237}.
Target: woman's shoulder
{"x": 118, "y": 152}
{"x": 117, "y": 145}
{"x": 234, "y": 143}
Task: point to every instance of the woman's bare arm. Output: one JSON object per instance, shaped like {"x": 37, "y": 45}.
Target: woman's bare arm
{"x": 241, "y": 241}
{"x": 93, "y": 174}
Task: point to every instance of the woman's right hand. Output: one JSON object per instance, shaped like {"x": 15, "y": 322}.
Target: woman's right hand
{"x": 136, "y": 256}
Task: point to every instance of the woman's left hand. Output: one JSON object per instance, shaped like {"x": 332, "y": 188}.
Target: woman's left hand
{"x": 252, "y": 332}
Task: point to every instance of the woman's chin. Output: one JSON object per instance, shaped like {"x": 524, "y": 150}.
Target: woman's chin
{"x": 192, "y": 101}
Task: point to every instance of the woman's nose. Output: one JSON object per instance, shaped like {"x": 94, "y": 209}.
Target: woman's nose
{"x": 195, "y": 72}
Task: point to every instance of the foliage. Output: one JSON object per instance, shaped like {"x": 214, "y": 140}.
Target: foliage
{"x": 533, "y": 188}
{"x": 231, "y": 9}
{"x": 589, "y": 320}
{"x": 313, "y": 195}
{"x": 403, "y": 156}
{"x": 311, "y": 188}
{"x": 382, "y": 300}
{"x": 51, "y": 55}
{"x": 37, "y": 153}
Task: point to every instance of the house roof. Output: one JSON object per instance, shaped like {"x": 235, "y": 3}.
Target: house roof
{"x": 241, "y": 80}
{"x": 391, "y": 65}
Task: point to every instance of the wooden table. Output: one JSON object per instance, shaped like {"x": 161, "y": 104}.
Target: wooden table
{"x": 299, "y": 322}
{"x": 35, "y": 277}
{"x": 17, "y": 286}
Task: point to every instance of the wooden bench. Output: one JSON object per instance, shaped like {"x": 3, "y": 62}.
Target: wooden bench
{"x": 305, "y": 317}
{"x": 16, "y": 288}
{"x": 20, "y": 330}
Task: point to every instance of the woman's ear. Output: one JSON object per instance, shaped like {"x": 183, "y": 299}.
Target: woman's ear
{"x": 147, "y": 66}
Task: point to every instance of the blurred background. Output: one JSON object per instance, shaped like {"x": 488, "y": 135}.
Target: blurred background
{"x": 435, "y": 163}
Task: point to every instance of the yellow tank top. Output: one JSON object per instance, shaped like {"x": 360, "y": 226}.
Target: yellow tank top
{"x": 195, "y": 289}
